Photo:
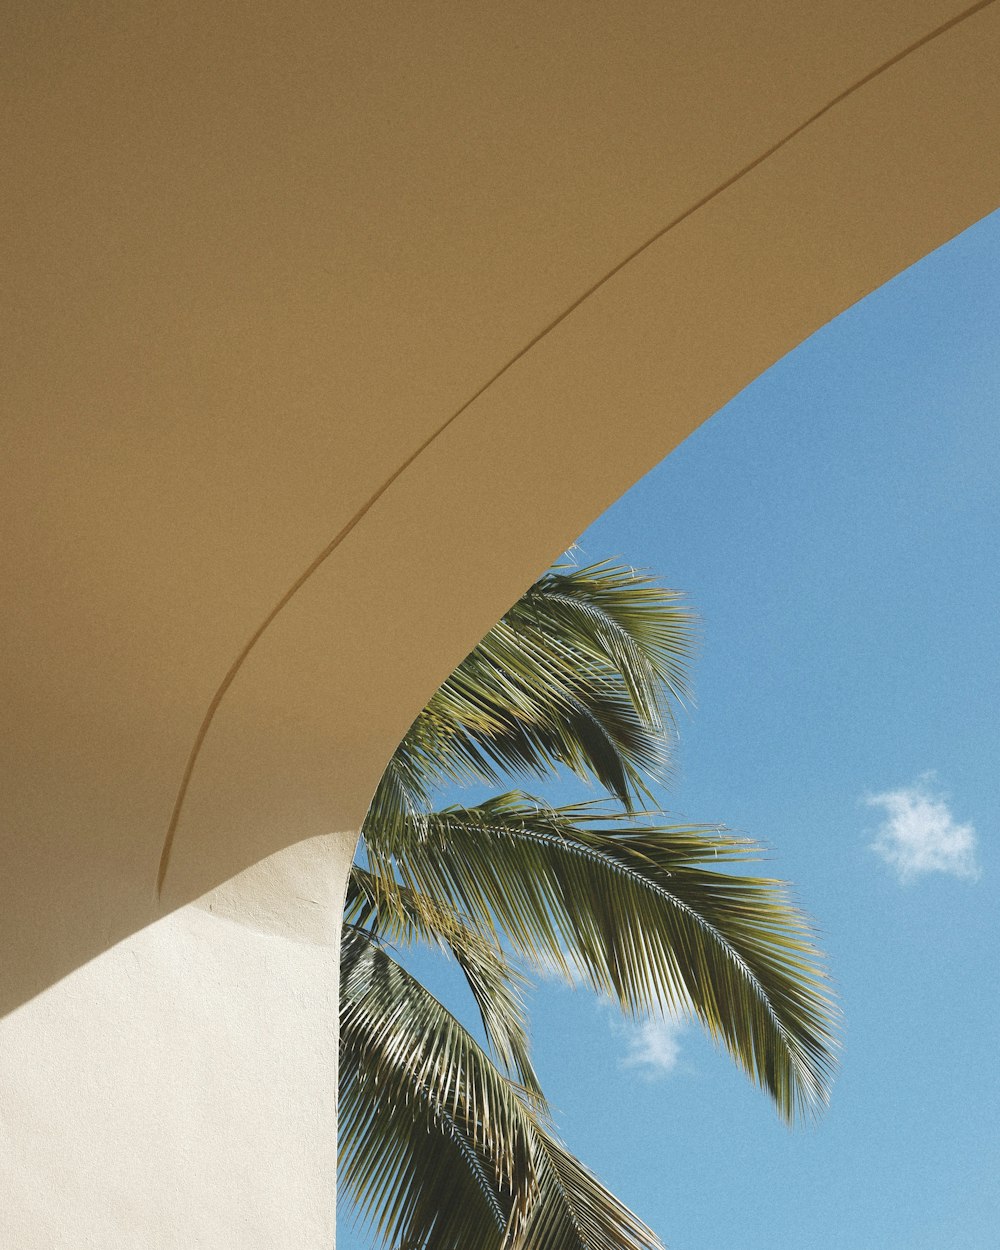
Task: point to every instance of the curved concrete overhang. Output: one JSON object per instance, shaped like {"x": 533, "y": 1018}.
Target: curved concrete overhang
{"x": 329, "y": 325}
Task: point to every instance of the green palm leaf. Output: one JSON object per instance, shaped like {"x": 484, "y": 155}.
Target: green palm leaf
{"x": 622, "y": 620}
{"x": 441, "y": 1150}
{"x": 388, "y": 911}
{"x": 440, "y": 1147}
{"x": 642, "y": 914}
{"x": 420, "y": 1175}
{"x": 580, "y": 673}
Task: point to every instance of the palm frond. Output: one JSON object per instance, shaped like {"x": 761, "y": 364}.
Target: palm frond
{"x": 377, "y": 903}
{"x": 440, "y": 1149}
{"x": 580, "y": 674}
{"x": 410, "y": 1159}
{"x": 622, "y": 618}
{"x": 644, "y": 915}
{"x": 570, "y": 1209}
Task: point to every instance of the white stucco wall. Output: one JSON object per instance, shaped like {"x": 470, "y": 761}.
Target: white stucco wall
{"x": 179, "y": 1091}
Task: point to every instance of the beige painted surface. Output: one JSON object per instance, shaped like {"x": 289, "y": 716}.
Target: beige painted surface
{"x": 316, "y": 351}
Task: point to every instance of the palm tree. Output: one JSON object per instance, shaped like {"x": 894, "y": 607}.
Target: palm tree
{"x": 446, "y": 1143}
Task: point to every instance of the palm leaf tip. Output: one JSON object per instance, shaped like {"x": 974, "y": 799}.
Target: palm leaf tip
{"x": 384, "y": 908}
{"x": 654, "y": 917}
{"x": 583, "y": 672}
{"x": 439, "y": 1148}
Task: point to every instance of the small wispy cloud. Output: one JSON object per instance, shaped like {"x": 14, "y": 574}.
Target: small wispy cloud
{"x": 653, "y": 1046}
{"x": 919, "y": 835}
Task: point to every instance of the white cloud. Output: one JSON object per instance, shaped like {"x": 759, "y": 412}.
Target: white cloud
{"x": 919, "y": 834}
{"x": 653, "y": 1045}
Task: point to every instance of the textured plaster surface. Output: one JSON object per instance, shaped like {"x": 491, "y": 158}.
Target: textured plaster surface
{"x": 262, "y": 493}
{"x": 179, "y": 1090}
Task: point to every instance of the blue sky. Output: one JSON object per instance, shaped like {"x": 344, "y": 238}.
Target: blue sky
{"x": 837, "y": 528}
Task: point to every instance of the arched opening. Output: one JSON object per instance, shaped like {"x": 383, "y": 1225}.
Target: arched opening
{"x": 262, "y": 271}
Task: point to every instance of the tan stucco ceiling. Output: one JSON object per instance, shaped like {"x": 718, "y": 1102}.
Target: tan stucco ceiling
{"x": 268, "y": 266}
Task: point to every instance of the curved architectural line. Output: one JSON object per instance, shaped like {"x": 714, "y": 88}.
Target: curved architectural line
{"x": 359, "y": 515}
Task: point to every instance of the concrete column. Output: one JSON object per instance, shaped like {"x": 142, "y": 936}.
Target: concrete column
{"x": 180, "y": 1090}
